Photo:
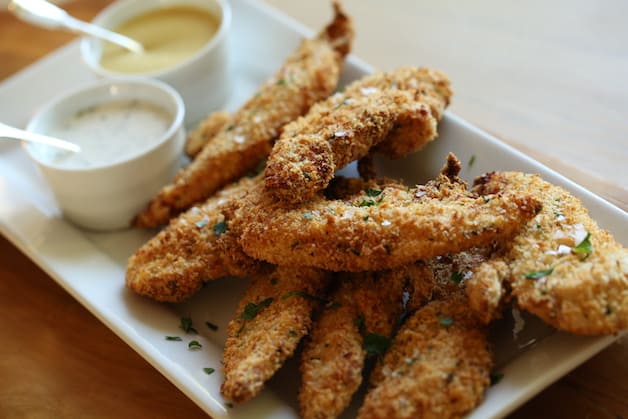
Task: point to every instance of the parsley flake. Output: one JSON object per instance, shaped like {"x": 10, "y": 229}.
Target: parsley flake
{"x": 303, "y": 294}
{"x": 446, "y": 321}
{"x": 366, "y": 203}
{"x": 372, "y": 192}
{"x": 251, "y": 309}
{"x": 194, "y": 345}
{"x": 174, "y": 338}
{"x": 220, "y": 227}
{"x": 496, "y": 378}
{"x": 456, "y": 277}
{"x": 375, "y": 344}
{"x": 471, "y": 161}
{"x": 539, "y": 274}
{"x": 208, "y": 370}
{"x": 281, "y": 82}
{"x": 211, "y": 326}
{"x": 186, "y": 325}
{"x": 584, "y": 247}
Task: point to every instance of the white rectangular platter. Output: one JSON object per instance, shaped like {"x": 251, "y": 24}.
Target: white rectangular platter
{"x": 90, "y": 266}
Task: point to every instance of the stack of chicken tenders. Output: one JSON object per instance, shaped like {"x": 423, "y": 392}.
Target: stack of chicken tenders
{"x": 376, "y": 280}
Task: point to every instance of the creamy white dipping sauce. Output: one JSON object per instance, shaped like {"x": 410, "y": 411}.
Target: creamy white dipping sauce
{"x": 108, "y": 133}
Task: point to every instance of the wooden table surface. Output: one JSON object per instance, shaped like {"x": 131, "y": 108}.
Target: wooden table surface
{"x": 548, "y": 79}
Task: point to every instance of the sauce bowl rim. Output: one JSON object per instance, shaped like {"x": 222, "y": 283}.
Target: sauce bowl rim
{"x": 92, "y": 59}
{"x": 65, "y": 100}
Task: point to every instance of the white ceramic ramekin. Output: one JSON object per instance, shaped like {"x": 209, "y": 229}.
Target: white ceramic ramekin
{"x": 203, "y": 80}
{"x": 108, "y": 196}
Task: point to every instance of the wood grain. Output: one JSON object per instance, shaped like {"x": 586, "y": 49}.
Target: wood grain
{"x": 57, "y": 360}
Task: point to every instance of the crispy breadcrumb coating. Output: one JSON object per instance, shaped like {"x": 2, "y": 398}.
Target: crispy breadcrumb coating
{"x": 272, "y": 317}
{"x": 365, "y": 309}
{"x": 438, "y": 365}
{"x": 382, "y": 227}
{"x": 197, "y": 246}
{"x": 206, "y": 130}
{"x": 394, "y": 113}
{"x": 310, "y": 74}
{"x": 561, "y": 267}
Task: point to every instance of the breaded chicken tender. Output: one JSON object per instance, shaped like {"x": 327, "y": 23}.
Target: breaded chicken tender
{"x": 438, "y": 365}
{"x": 308, "y": 75}
{"x": 381, "y": 227}
{"x": 272, "y": 317}
{"x": 197, "y": 246}
{"x": 561, "y": 267}
{"x": 393, "y": 113}
{"x": 206, "y": 130}
{"x": 362, "y": 314}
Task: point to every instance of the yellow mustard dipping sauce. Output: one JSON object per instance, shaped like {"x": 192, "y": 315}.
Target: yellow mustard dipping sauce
{"x": 169, "y": 36}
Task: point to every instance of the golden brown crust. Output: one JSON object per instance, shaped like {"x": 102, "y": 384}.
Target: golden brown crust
{"x": 381, "y": 227}
{"x": 332, "y": 359}
{"x": 437, "y": 366}
{"x": 260, "y": 339}
{"x": 308, "y": 75}
{"x": 395, "y": 113}
{"x": 582, "y": 292}
{"x": 197, "y": 246}
{"x": 206, "y": 130}
{"x": 365, "y": 304}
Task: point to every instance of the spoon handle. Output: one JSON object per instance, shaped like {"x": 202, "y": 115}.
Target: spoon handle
{"x": 12, "y": 133}
{"x": 79, "y": 26}
{"x": 48, "y": 15}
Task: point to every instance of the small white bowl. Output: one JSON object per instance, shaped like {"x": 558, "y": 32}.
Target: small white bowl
{"x": 107, "y": 196}
{"x": 203, "y": 80}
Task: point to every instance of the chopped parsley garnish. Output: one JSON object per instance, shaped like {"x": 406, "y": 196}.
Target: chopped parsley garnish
{"x": 366, "y": 203}
{"x": 201, "y": 223}
{"x": 375, "y": 344}
{"x": 209, "y": 370}
{"x": 446, "y": 321}
{"x": 194, "y": 345}
{"x": 229, "y": 405}
{"x": 308, "y": 215}
{"x": 251, "y": 309}
{"x": 186, "y": 325}
{"x": 496, "y": 378}
{"x": 366, "y": 218}
{"x": 372, "y": 192}
{"x": 584, "y": 247}
{"x": 174, "y": 338}
{"x": 303, "y": 294}
{"x": 211, "y": 326}
{"x": 471, "y": 161}
{"x": 539, "y": 274}
{"x": 293, "y": 333}
{"x": 230, "y": 127}
{"x": 456, "y": 277}
{"x": 220, "y": 227}
{"x": 281, "y": 82}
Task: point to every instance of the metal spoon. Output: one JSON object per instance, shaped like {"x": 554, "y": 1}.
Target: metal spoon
{"x": 12, "y": 133}
{"x": 43, "y": 13}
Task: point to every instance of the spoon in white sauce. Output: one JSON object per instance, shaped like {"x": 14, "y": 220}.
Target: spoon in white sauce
{"x": 43, "y": 13}
{"x": 12, "y": 133}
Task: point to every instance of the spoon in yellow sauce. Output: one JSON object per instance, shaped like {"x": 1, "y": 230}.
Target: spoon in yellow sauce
{"x": 45, "y": 14}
